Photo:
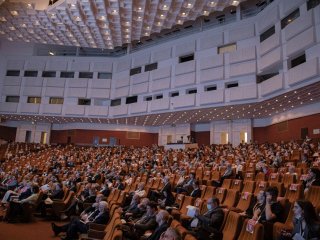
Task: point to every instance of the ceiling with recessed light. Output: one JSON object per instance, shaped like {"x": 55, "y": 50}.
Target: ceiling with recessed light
{"x": 104, "y": 24}
{"x": 294, "y": 99}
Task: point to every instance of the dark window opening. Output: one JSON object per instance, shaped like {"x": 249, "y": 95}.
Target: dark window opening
{"x": 290, "y": 18}
{"x": 84, "y": 101}
{"x": 264, "y": 77}
{"x": 150, "y": 67}
{"x": 67, "y": 74}
{"x": 13, "y": 73}
{"x": 174, "y": 94}
{"x": 159, "y": 96}
{"x": 104, "y": 75}
{"x": 31, "y": 73}
{"x": 14, "y": 99}
{"x": 210, "y": 88}
{"x": 48, "y": 74}
{"x": 149, "y": 98}
{"x": 186, "y": 58}
{"x": 115, "y": 102}
{"x": 312, "y": 4}
{"x": 268, "y": 33}
{"x": 132, "y": 99}
{"x": 232, "y": 85}
{"x": 298, "y": 60}
{"x": 85, "y": 74}
{"x": 191, "y": 91}
{"x": 134, "y": 71}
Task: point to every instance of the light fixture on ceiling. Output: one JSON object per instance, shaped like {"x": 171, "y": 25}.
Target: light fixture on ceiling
{"x": 14, "y": 13}
{"x": 51, "y": 53}
{"x": 235, "y": 3}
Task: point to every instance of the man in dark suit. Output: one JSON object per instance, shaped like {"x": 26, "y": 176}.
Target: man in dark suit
{"x": 164, "y": 196}
{"x": 98, "y": 216}
{"x": 162, "y": 219}
{"x": 196, "y": 192}
{"x": 134, "y": 230}
{"x": 210, "y": 222}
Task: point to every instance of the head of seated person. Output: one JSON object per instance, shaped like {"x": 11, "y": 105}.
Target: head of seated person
{"x": 171, "y": 234}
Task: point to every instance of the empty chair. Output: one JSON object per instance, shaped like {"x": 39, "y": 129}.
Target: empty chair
{"x": 226, "y": 183}
{"x": 210, "y": 191}
{"x": 197, "y": 203}
{"x": 203, "y": 189}
{"x": 206, "y": 177}
{"x": 249, "y": 186}
{"x": 313, "y": 195}
{"x": 221, "y": 194}
{"x": 278, "y": 226}
{"x": 237, "y": 185}
{"x": 232, "y": 226}
{"x": 250, "y": 232}
{"x": 260, "y": 177}
{"x": 231, "y": 198}
{"x": 274, "y": 177}
{"x": 183, "y": 209}
{"x": 244, "y": 202}
{"x": 294, "y": 192}
{"x": 288, "y": 179}
{"x": 249, "y": 176}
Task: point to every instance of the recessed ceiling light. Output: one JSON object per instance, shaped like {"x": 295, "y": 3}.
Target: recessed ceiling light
{"x": 14, "y": 13}
{"x": 235, "y": 3}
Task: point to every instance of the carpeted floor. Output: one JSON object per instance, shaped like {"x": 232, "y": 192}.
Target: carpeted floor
{"x": 39, "y": 229}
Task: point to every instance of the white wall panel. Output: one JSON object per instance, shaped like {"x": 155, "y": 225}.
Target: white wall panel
{"x": 11, "y": 90}
{"x": 267, "y": 18}
{"x": 102, "y": 66}
{"x": 118, "y": 110}
{"x": 29, "y": 108}
{"x": 188, "y": 100}
{"x": 32, "y": 91}
{"x": 8, "y": 107}
{"x": 57, "y": 65}
{"x": 185, "y": 79}
{"x": 140, "y": 78}
{"x": 100, "y": 93}
{"x": 160, "y": 104}
{"x": 160, "y": 84}
{"x": 287, "y": 6}
{"x": 35, "y": 64}
{"x": 123, "y": 64}
{"x": 244, "y": 54}
{"x": 54, "y": 92}
{"x": 270, "y": 59}
{"x": 242, "y": 68}
{"x": 185, "y": 67}
{"x": 56, "y": 82}
{"x": 161, "y": 73}
{"x": 300, "y": 42}
{"x": 52, "y": 108}
{"x": 298, "y": 25}
{"x": 212, "y": 97}
{"x": 241, "y": 93}
{"x": 185, "y": 48}
{"x": 270, "y": 43}
{"x": 78, "y": 83}
{"x": 98, "y": 111}
{"x": 74, "y": 110}
{"x": 272, "y": 85}
{"x": 12, "y": 81}
{"x": 240, "y": 33}
{"x": 212, "y": 74}
{"x": 101, "y": 83}
{"x": 161, "y": 55}
{"x": 37, "y": 82}
{"x": 77, "y": 92}
{"x": 80, "y": 66}
{"x": 140, "y": 88}
{"x": 141, "y": 59}
{"x": 15, "y": 64}
{"x": 121, "y": 92}
{"x": 122, "y": 82}
{"x": 303, "y": 71}
{"x": 211, "y": 40}
{"x": 210, "y": 62}
{"x": 138, "y": 107}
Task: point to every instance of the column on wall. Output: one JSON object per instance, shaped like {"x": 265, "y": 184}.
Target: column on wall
{"x": 34, "y": 133}
{"x": 231, "y": 131}
{"x": 173, "y": 133}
